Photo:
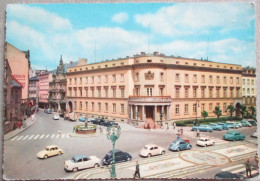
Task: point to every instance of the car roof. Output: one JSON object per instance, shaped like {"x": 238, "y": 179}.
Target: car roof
{"x": 51, "y": 146}
{"x": 232, "y": 132}
{"x": 203, "y": 138}
{"x": 77, "y": 157}
{"x": 226, "y": 175}
{"x": 116, "y": 150}
{"x": 151, "y": 145}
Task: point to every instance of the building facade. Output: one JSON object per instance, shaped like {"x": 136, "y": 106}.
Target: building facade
{"x": 57, "y": 89}
{"x": 43, "y": 93}
{"x": 33, "y": 92}
{"x": 249, "y": 86}
{"x": 153, "y": 87}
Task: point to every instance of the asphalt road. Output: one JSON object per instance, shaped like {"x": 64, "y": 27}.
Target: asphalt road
{"x": 21, "y": 162}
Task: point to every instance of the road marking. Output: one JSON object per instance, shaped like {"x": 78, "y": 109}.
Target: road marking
{"x": 63, "y": 135}
{"x": 52, "y": 136}
{"x": 41, "y": 136}
{"x": 14, "y": 138}
{"x": 30, "y": 137}
{"x": 47, "y": 136}
{"x": 25, "y": 137}
{"x": 36, "y": 136}
{"x": 232, "y": 167}
{"x": 19, "y": 138}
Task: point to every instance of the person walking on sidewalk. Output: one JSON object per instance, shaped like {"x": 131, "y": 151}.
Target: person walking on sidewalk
{"x": 181, "y": 130}
{"x": 174, "y": 124}
{"x": 137, "y": 170}
{"x": 248, "y": 168}
{"x": 198, "y": 133}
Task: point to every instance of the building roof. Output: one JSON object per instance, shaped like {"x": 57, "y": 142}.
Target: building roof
{"x": 15, "y": 83}
{"x": 35, "y": 78}
{"x": 66, "y": 66}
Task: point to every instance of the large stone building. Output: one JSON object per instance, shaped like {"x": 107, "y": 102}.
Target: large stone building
{"x": 153, "y": 87}
{"x": 249, "y": 86}
{"x": 33, "y": 92}
{"x": 57, "y": 89}
{"x": 43, "y": 89}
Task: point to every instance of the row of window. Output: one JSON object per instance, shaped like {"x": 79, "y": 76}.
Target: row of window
{"x": 249, "y": 100}
{"x": 92, "y": 108}
{"x": 248, "y": 91}
{"x": 248, "y": 81}
{"x": 98, "y": 67}
{"x": 98, "y": 79}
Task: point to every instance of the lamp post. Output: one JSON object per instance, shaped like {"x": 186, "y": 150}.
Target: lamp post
{"x": 113, "y": 136}
{"x": 197, "y": 105}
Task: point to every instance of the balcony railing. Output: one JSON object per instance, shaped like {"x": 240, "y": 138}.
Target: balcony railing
{"x": 165, "y": 99}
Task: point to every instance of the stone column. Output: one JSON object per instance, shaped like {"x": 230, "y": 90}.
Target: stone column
{"x": 136, "y": 110}
{"x": 162, "y": 114}
{"x": 131, "y": 112}
{"x": 168, "y": 109}
{"x": 143, "y": 118}
{"x": 155, "y": 111}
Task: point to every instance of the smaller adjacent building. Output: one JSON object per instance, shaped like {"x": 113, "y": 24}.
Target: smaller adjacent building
{"x": 43, "y": 88}
{"x": 33, "y": 92}
{"x": 249, "y": 86}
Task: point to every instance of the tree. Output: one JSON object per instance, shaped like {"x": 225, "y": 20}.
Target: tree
{"x": 217, "y": 111}
{"x": 204, "y": 114}
{"x": 253, "y": 110}
{"x": 242, "y": 110}
{"x": 231, "y": 110}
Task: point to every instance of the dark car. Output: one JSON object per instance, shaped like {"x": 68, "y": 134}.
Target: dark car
{"x": 96, "y": 121}
{"x": 227, "y": 175}
{"x": 62, "y": 114}
{"x": 49, "y": 111}
{"x": 114, "y": 123}
{"x": 101, "y": 122}
{"x": 120, "y": 156}
{"x": 107, "y": 123}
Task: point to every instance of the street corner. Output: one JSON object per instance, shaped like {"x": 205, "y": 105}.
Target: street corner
{"x": 204, "y": 158}
{"x": 235, "y": 151}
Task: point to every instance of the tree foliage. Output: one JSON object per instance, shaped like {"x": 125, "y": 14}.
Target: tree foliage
{"x": 217, "y": 111}
{"x": 231, "y": 110}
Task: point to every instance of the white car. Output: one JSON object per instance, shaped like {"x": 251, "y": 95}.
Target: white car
{"x": 151, "y": 150}
{"x": 51, "y": 150}
{"x": 56, "y": 117}
{"x": 205, "y": 142}
{"x": 254, "y": 135}
{"x": 79, "y": 162}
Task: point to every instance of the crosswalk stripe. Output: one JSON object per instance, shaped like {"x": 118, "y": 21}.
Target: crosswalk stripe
{"x": 31, "y": 137}
{"x": 36, "y": 136}
{"x": 25, "y": 137}
{"x": 41, "y": 136}
{"x": 52, "y": 136}
{"x": 232, "y": 167}
{"x": 63, "y": 135}
{"x": 239, "y": 170}
{"x": 47, "y": 136}
{"x": 14, "y": 138}
{"x": 19, "y": 138}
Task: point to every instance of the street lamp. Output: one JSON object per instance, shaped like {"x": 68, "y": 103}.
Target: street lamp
{"x": 197, "y": 105}
{"x": 113, "y": 136}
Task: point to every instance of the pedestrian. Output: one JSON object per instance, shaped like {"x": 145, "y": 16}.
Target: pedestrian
{"x": 19, "y": 124}
{"x": 59, "y": 132}
{"x": 181, "y": 130}
{"x": 148, "y": 126}
{"x": 256, "y": 159}
{"x": 198, "y": 133}
{"x": 74, "y": 129}
{"x": 101, "y": 130}
{"x": 174, "y": 125}
{"x": 248, "y": 168}
{"x": 137, "y": 170}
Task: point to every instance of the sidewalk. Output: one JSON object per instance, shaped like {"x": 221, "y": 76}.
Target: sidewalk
{"x": 28, "y": 122}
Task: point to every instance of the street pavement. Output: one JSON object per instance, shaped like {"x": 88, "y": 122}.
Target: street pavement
{"x": 20, "y": 161}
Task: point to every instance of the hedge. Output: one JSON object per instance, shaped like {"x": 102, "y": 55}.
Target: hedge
{"x": 207, "y": 120}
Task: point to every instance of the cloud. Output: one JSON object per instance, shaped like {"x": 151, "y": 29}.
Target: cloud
{"x": 197, "y": 18}
{"x": 120, "y": 17}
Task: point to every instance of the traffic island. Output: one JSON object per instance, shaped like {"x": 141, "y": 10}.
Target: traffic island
{"x": 85, "y": 129}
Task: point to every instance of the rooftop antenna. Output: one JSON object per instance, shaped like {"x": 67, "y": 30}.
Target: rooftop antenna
{"x": 149, "y": 39}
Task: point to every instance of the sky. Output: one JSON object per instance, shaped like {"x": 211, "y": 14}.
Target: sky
{"x": 221, "y": 32}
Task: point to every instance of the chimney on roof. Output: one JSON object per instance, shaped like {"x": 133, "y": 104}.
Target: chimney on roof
{"x": 155, "y": 53}
{"x": 142, "y": 53}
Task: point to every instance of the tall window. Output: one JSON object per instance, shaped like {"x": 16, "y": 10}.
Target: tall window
{"x": 194, "y": 108}
{"x": 114, "y": 78}
{"x": 194, "y": 78}
{"x": 75, "y": 81}
{"x": 122, "y": 108}
{"x": 231, "y": 80}
{"x": 86, "y": 92}
{"x": 210, "y": 79}
{"x": 92, "y": 91}
{"x": 80, "y": 105}
{"x": 99, "y": 106}
{"x": 194, "y": 93}
{"x": 177, "y": 109}
{"x": 86, "y": 105}
{"x": 203, "y": 107}
{"x": 186, "y": 92}
{"x": 99, "y": 92}
{"x": 252, "y": 82}
{"x": 237, "y": 94}
{"x": 218, "y": 80}
{"x": 225, "y": 92}
{"x": 122, "y": 78}
{"x": 237, "y": 80}
{"x": 80, "y": 92}
{"x": 92, "y": 106}
{"x": 161, "y": 77}
{"x": 231, "y": 93}
{"x": 225, "y": 107}
{"x": 161, "y": 91}
{"x": 114, "y": 93}
{"x": 106, "y": 105}
{"x": 92, "y": 78}
{"x": 80, "y": 81}
{"x": 177, "y": 91}
{"x": 186, "y": 108}
{"x": 106, "y": 92}
{"x": 253, "y": 91}
{"x": 203, "y": 79}
{"x": 76, "y": 91}
{"x": 225, "y": 79}
{"x": 122, "y": 93}
{"x": 218, "y": 92}
{"x": 244, "y": 91}
{"x": 137, "y": 91}
{"x": 114, "y": 107}
{"x": 248, "y": 81}
{"x": 149, "y": 92}
{"x": 177, "y": 77}
{"x": 99, "y": 79}
{"x": 137, "y": 77}
{"x": 203, "y": 93}
{"x": 106, "y": 78}
{"x": 186, "y": 78}
{"x": 210, "y": 92}
{"x": 248, "y": 91}
{"x": 244, "y": 81}
{"x": 75, "y": 105}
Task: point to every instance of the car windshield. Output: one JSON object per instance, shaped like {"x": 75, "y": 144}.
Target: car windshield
{"x": 74, "y": 160}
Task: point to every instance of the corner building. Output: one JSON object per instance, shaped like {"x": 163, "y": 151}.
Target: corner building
{"x": 152, "y": 87}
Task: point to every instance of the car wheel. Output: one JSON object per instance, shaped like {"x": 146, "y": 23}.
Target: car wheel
{"x": 149, "y": 155}
{"x": 163, "y": 153}
{"x": 96, "y": 165}
{"x": 178, "y": 149}
{"x": 75, "y": 169}
{"x": 59, "y": 153}
{"x": 45, "y": 156}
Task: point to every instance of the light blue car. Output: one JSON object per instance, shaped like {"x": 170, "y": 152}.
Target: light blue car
{"x": 224, "y": 126}
{"x": 178, "y": 145}
{"x": 216, "y": 126}
{"x": 206, "y": 128}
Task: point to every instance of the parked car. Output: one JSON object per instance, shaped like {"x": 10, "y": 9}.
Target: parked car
{"x": 62, "y": 114}
{"x": 48, "y": 111}
{"x": 56, "y": 117}
{"x": 101, "y": 122}
{"x": 205, "y": 142}
{"x": 254, "y": 135}
{"x": 36, "y": 109}
{"x": 82, "y": 118}
{"x": 106, "y": 123}
{"x": 227, "y": 175}
{"x": 51, "y": 150}
{"x": 178, "y": 145}
{"x": 115, "y": 124}
{"x": 232, "y": 125}
{"x": 238, "y": 124}
{"x": 215, "y": 126}
{"x": 120, "y": 156}
{"x": 96, "y": 121}
{"x": 252, "y": 122}
{"x": 80, "y": 162}
{"x": 151, "y": 150}
{"x": 224, "y": 126}
{"x": 245, "y": 123}
{"x": 202, "y": 128}
{"x": 233, "y": 136}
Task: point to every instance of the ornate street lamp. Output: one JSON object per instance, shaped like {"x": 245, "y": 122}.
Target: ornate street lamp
{"x": 113, "y": 136}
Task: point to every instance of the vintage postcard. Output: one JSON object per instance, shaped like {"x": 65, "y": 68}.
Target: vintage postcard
{"x": 130, "y": 90}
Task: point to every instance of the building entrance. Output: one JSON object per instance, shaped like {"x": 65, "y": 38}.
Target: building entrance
{"x": 149, "y": 112}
